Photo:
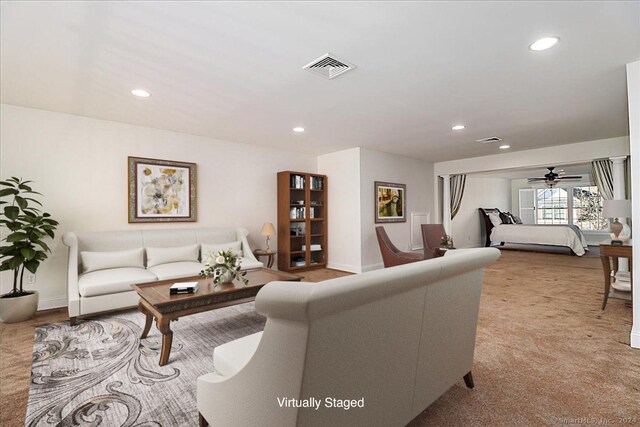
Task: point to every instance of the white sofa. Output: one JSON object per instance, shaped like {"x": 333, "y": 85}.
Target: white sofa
{"x": 118, "y": 259}
{"x": 397, "y": 338}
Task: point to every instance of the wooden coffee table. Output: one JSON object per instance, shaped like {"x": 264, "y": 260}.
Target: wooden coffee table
{"x": 156, "y": 302}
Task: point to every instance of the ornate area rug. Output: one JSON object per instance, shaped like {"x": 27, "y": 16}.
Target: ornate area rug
{"x": 100, "y": 373}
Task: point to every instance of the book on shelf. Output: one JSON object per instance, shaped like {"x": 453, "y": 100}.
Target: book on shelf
{"x": 316, "y": 183}
{"x": 297, "y": 213}
{"x": 297, "y": 181}
{"x": 312, "y": 247}
{"x": 183, "y": 288}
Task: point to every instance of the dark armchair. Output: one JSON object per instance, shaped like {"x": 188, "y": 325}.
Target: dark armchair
{"x": 432, "y": 235}
{"x": 392, "y": 256}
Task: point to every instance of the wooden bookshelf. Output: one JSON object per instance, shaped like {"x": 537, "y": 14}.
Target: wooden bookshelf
{"x": 300, "y": 196}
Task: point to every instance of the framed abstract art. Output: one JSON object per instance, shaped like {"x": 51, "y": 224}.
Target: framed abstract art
{"x": 391, "y": 202}
{"x": 162, "y": 190}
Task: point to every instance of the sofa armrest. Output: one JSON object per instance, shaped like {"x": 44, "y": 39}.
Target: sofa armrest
{"x": 73, "y": 294}
{"x": 246, "y": 249}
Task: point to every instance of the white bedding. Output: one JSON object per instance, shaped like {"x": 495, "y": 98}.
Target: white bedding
{"x": 556, "y": 235}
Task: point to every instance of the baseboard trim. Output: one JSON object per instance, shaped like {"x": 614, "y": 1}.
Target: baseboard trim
{"x": 52, "y": 303}
{"x": 635, "y": 339}
{"x": 344, "y": 267}
{"x": 372, "y": 267}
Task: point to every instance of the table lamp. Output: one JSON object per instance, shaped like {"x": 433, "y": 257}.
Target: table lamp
{"x": 616, "y": 209}
{"x": 268, "y": 230}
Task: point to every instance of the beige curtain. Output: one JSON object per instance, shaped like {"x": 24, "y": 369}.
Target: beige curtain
{"x": 602, "y": 172}
{"x": 457, "y": 191}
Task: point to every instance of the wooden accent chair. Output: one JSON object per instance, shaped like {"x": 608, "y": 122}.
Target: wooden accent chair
{"x": 432, "y": 235}
{"x": 392, "y": 256}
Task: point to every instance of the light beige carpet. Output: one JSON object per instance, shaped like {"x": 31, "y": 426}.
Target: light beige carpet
{"x": 545, "y": 352}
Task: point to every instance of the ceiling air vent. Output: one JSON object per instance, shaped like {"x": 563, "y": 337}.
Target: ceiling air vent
{"x": 329, "y": 66}
{"x": 488, "y": 140}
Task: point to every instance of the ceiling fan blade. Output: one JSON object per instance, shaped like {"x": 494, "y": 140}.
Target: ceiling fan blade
{"x": 536, "y": 179}
{"x": 570, "y": 177}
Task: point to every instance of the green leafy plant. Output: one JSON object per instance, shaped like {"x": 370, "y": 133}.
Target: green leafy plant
{"x": 221, "y": 263}
{"x": 27, "y": 226}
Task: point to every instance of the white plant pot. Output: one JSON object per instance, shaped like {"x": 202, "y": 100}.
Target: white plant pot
{"x": 227, "y": 277}
{"x": 18, "y": 309}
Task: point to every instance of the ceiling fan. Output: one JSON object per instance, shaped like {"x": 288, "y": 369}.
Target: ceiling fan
{"x": 552, "y": 178}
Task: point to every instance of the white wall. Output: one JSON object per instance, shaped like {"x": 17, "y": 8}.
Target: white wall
{"x": 633, "y": 91}
{"x": 343, "y": 174}
{"x": 416, "y": 174}
{"x": 80, "y": 166}
{"x": 479, "y": 192}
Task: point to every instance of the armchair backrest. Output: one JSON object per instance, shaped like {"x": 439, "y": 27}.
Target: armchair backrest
{"x": 391, "y": 255}
{"x": 432, "y": 235}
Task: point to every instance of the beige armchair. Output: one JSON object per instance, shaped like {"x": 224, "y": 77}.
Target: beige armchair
{"x": 389, "y": 341}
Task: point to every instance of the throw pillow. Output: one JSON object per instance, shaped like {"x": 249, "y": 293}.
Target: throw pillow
{"x": 495, "y": 219}
{"x": 92, "y": 261}
{"x": 506, "y": 218}
{"x": 157, "y": 256}
{"x": 213, "y": 248}
{"x": 516, "y": 219}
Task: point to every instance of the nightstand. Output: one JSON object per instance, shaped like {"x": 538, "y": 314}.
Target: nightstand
{"x": 270, "y": 254}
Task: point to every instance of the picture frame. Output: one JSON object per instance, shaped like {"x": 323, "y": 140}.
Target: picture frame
{"x": 161, "y": 190}
{"x": 390, "y": 202}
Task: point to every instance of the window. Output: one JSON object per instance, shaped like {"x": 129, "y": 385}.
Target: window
{"x": 583, "y": 208}
{"x": 587, "y": 208}
{"x": 553, "y": 207}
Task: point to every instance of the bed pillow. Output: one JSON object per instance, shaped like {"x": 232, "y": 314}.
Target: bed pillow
{"x": 506, "y": 218}
{"x": 157, "y": 256}
{"x": 495, "y": 219}
{"x": 92, "y": 261}
{"x": 516, "y": 219}
{"x": 213, "y": 248}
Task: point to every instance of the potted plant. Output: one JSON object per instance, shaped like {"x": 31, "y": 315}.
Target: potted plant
{"x": 224, "y": 266}
{"x": 23, "y": 247}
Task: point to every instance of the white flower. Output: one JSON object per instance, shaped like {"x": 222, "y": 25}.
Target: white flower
{"x": 220, "y": 260}
{"x": 237, "y": 263}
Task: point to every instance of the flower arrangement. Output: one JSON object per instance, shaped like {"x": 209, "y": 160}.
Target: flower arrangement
{"x": 446, "y": 241}
{"x": 224, "y": 266}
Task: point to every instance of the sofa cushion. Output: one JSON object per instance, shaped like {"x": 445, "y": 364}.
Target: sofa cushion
{"x": 93, "y": 261}
{"x": 250, "y": 264}
{"x": 214, "y": 248}
{"x": 175, "y": 270}
{"x": 113, "y": 280}
{"x": 229, "y": 358}
{"x": 157, "y": 256}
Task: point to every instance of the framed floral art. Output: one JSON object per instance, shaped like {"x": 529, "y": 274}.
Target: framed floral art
{"x": 162, "y": 190}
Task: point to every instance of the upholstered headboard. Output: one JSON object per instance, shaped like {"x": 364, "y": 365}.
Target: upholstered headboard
{"x": 488, "y": 225}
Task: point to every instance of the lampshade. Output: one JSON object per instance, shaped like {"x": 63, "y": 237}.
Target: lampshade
{"x": 616, "y": 208}
{"x": 268, "y": 230}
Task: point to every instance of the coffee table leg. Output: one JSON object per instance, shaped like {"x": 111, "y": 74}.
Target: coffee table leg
{"x": 148, "y": 319}
{"x": 167, "y": 338}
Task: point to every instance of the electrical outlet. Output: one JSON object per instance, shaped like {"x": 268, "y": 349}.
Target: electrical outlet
{"x": 31, "y": 278}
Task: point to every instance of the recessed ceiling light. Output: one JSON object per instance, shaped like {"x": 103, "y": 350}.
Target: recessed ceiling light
{"x": 141, "y": 93}
{"x": 298, "y": 129}
{"x": 504, "y": 147}
{"x": 544, "y": 43}
{"x": 457, "y": 127}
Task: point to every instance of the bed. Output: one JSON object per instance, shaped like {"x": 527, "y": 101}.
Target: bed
{"x": 569, "y": 236}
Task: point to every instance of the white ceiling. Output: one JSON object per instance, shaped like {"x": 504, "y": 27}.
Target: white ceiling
{"x": 232, "y": 70}
{"x": 537, "y": 172}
